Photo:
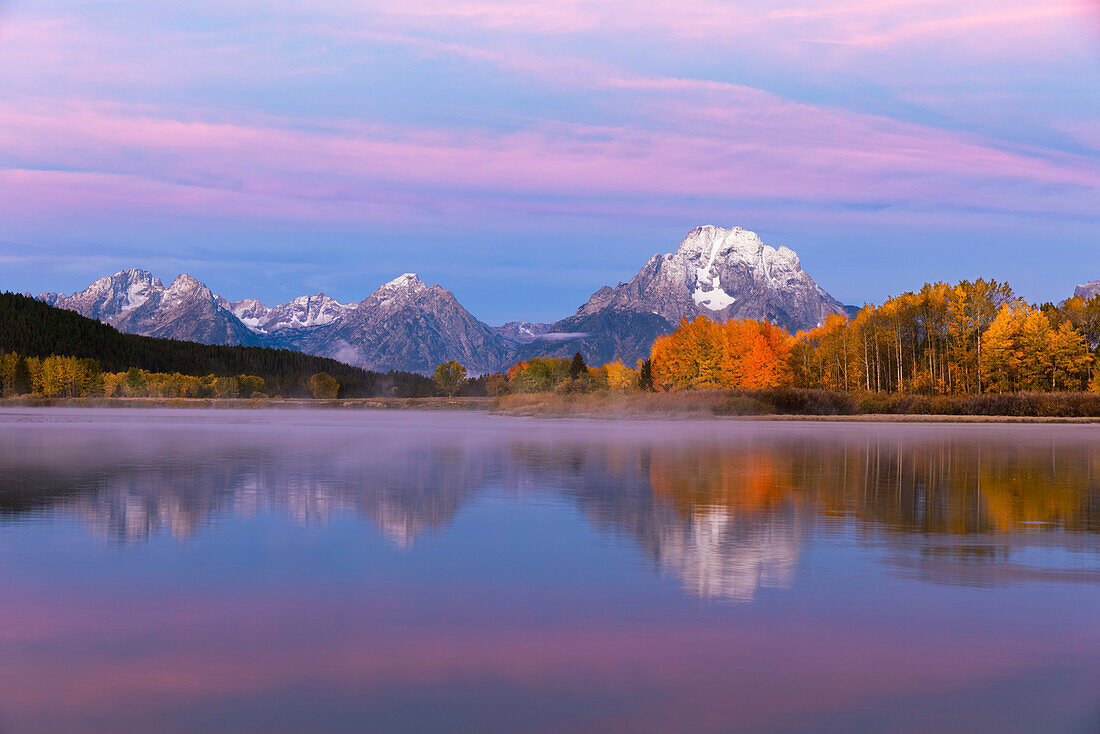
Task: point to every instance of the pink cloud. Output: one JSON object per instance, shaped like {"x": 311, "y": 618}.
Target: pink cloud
{"x": 853, "y": 23}
{"x": 742, "y": 144}
{"x": 686, "y": 138}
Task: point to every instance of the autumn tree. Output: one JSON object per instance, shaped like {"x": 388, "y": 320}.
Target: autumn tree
{"x": 539, "y": 374}
{"x": 449, "y": 378}
{"x": 702, "y": 354}
{"x": 1023, "y": 351}
{"x": 323, "y": 386}
{"x": 1000, "y": 369}
{"x": 1070, "y": 358}
{"x": 250, "y": 385}
{"x": 1084, "y": 316}
{"x": 620, "y": 377}
{"x": 496, "y": 385}
{"x": 228, "y": 387}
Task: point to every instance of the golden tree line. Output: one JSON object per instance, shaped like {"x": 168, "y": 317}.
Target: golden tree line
{"x": 60, "y": 376}
{"x": 968, "y": 338}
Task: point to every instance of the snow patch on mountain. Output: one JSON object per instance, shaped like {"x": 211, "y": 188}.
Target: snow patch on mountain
{"x": 723, "y": 274}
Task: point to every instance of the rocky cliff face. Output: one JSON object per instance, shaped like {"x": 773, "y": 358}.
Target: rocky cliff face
{"x": 304, "y": 312}
{"x": 719, "y": 273}
{"x": 136, "y": 302}
{"x": 1088, "y": 290}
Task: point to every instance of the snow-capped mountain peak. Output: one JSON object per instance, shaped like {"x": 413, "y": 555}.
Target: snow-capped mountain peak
{"x": 304, "y": 312}
{"x": 134, "y": 301}
{"x": 307, "y": 312}
{"x": 185, "y": 285}
{"x": 715, "y": 272}
{"x": 722, "y": 273}
{"x": 405, "y": 281}
{"x": 407, "y": 324}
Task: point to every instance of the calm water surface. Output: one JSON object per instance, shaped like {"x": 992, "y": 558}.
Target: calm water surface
{"x": 322, "y": 571}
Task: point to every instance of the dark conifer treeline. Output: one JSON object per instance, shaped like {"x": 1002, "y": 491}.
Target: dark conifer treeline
{"x": 35, "y": 329}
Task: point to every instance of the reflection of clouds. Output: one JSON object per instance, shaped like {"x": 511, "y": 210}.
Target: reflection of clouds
{"x": 717, "y": 557}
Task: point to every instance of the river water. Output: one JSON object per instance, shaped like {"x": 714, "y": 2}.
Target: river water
{"x": 331, "y": 571}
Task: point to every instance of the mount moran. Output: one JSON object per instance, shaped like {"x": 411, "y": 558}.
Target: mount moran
{"x": 408, "y": 325}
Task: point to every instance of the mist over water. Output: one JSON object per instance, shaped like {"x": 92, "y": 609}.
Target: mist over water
{"x": 425, "y": 572}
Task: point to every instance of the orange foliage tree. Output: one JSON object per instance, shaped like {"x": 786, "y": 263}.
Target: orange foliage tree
{"x": 702, "y": 354}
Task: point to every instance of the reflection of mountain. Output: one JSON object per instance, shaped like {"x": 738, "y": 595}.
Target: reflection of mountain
{"x": 725, "y": 507}
{"x": 718, "y": 555}
{"x": 125, "y": 495}
{"x": 728, "y": 511}
{"x": 716, "y": 551}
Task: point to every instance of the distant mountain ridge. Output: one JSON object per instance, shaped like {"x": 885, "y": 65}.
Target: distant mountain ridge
{"x": 406, "y": 324}
{"x": 35, "y": 329}
{"x": 135, "y": 302}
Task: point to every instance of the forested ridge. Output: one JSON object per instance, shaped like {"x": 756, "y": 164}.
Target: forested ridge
{"x": 33, "y": 329}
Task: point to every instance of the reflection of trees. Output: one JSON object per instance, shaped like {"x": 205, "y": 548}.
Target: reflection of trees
{"x": 952, "y": 486}
{"x": 727, "y": 513}
{"x": 929, "y": 487}
{"x": 894, "y": 488}
{"x": 740, "y": 526}
{"x": 629, "y": 489}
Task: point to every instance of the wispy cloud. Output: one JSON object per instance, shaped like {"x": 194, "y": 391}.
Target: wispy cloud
{"x": 464, "y": 112}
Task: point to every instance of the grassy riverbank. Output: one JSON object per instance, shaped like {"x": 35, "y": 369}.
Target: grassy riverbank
{"x": 787, "y": 403}
{"x": 775, "y": 404}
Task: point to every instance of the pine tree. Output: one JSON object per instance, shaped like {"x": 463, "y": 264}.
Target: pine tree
{"x": 578, "y": 367}
{"x": 645, "y": 375}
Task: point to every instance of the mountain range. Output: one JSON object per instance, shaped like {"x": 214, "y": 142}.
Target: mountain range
{"x": 408, "y": 325}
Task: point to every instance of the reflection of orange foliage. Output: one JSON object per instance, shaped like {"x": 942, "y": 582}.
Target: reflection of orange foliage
{"x": 705, "y": 354}
{"x": 940, "y": 487}
{"x": 1035, "y": 491}
{"x": 698, "y": 479}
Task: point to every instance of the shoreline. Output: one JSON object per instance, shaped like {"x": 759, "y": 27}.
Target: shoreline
{"x": 460, "y": 404}
{"x": 577, "y": 409}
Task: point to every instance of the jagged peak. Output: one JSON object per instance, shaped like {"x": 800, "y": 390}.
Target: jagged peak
{"x": 133, "y": 274}
{"x": 321, "y": 298}
{"x": 405, "y": 280}
{"x": 246, "y": 303}
{"x": 185, "y": 283}
{"x": 709, "y": 239}
{"x": 407, "y": 283}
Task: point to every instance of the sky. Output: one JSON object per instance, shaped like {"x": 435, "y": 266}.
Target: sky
{"x": 524, "y": 153}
